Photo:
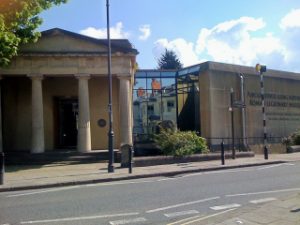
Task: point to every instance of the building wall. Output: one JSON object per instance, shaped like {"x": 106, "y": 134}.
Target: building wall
{"x": 282, "y": 102}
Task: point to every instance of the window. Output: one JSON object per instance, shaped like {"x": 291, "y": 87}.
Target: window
{"x": 150, "y": 109}
{"x": 170, "y": 105}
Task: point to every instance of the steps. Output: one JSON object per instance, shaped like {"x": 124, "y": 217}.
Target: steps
{"x": 57, "y": 157}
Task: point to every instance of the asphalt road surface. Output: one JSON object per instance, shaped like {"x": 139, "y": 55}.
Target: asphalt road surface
{"x": 160, "y": 200}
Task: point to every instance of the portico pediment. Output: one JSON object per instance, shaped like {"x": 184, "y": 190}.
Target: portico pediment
{"x": 59, "y": 41}
{"x": 61, "y": 52}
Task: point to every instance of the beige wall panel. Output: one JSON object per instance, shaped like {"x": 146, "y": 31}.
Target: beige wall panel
{"x": 205, "y": 117}
{"x": 98, "y": 108}
{"x": 221, "y": 83}
{"x": 282, "y": 105}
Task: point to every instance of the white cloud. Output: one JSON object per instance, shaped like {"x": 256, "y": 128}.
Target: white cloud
{"x": 241, "y": 41}
{"x": 229, "y": 42}
{"x": 230, "y": 32}
{"x": 232, "y": 41}
{"x": 291, "y": 20}
{"x": 115, "y": 32}
{"x": 290, "y": 25}
{"x": 146, "y": 32}
{"x": 183, "y": 49}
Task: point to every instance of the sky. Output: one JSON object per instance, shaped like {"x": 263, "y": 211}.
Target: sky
{"x": 240, "y": 32}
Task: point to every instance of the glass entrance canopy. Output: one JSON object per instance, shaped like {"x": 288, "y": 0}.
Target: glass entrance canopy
{"x": 160, "y": 95}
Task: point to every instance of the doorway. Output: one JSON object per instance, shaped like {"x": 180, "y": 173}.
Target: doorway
{"x": 67, "y": 122}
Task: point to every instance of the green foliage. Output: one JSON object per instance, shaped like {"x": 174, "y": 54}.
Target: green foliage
{"x": 293, "y": 139}
{"x": 169, "y": 60}
{"x": 180, "y": 143}
{"x": 166, "y": 125}
{"x": 18, "y": 23}
{"x": 8, "y": 44}
{"x": 296, "y": 138}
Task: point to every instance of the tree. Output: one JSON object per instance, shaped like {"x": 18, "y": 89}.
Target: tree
{"x": 18, "y": 23}
{"x": 169, "y": 60}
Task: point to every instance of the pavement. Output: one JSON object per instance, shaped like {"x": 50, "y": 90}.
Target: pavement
{"x": 63, "y": 174}
{"x": 284, "y": 211}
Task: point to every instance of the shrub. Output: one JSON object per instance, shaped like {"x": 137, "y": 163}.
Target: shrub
{"x": 296, "y": 137}
{"x": 293, "y": 139}
{"x": 180, "y": 143}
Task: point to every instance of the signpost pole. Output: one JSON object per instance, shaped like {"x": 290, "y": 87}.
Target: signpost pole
{"x": 261, "y": 69}
{"x": 232, "y": 123}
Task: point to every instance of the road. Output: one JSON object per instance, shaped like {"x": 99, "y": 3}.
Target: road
{"x": 160, "y": 200}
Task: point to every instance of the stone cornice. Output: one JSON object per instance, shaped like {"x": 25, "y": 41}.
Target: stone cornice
{"x": 124, "y": 76}
{"x": 82, "y": 76}
{"x": 36, "y": 76}
{"x": 74, "y": 54}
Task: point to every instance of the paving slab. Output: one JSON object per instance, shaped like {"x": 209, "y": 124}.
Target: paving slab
{"x": 33, "y": 177}
{"x": 260, "y": 214}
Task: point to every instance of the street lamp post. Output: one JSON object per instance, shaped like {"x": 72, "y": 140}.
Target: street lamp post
{"x": 261, "y": 69}
{"x": 110, "y": 110}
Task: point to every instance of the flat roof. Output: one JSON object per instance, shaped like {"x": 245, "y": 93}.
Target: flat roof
{"x": 214, "y": 66}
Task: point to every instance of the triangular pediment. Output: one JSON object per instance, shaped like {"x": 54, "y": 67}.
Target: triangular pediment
{"x": 63, "y": 42}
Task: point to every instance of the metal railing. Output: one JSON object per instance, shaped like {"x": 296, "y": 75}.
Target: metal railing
{"x": 239, "y": 143}
{"x": 214, "y": 142}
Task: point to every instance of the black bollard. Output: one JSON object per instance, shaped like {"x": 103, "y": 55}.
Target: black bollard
{"x": 266, "y": 152}
{"x": 1, "y": 168}
{"x": 222, "y": 153}
{"x": 130, "y": 149}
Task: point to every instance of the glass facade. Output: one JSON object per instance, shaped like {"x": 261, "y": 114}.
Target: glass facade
{"x": 154, "y": 100}
{"x": 188, "y": 99}
{"x": 160, "y": 95}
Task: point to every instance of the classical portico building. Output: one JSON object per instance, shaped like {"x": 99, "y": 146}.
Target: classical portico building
{"x": 55, "y": 92}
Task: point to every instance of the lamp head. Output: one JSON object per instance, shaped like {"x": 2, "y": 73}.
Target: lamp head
{"x": 260, "y": 68}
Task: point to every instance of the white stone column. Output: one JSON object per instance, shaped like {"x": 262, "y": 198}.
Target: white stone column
{"x": 38, "y": 142}
{"x": 125, "y": 109}
{"x": 84, "y": 129}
